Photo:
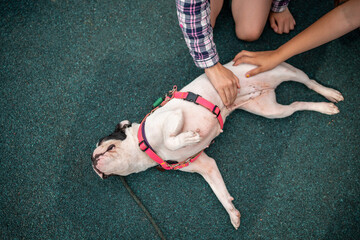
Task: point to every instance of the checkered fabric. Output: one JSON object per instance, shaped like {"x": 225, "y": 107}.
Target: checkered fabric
{"x": 194, "y": 21}
{"x": 279, "y": 5}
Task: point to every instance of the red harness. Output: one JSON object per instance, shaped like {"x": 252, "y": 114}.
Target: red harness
{"x": 188, "y": 96}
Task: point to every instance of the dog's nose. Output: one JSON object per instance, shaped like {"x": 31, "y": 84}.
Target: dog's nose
{"x": 94, "y": 160}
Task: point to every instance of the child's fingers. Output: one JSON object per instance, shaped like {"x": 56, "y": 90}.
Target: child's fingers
{"x": 254, "y": 72}
{"x": 280, "y": 28}
{"x": 237, "y": 56}
{"x": 244, "y": 59}
{"x": 293, "y": 23}
{"x": 292, "y": 26}
{"x": 287, "y": 27}
{"x": 238, "y": 83}
{"x": 273, "y": 24}
{"x": 241, "y": 54}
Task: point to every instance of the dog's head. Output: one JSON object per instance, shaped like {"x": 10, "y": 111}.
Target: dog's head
{"x": 112, "y": 155}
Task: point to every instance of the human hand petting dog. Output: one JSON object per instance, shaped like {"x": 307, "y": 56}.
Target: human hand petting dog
{"x": 282, "y": 22}
{"x": 265, "y": 60}
{"x": 224, "y": 81}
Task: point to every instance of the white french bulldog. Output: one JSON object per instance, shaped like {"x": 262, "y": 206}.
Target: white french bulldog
{"x": 181, "y": 129}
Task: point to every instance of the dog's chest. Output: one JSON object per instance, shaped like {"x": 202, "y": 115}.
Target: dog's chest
{"x": 195, "y": 118}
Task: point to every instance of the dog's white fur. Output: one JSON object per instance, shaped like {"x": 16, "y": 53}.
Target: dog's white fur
{"x": 181, "y": 129}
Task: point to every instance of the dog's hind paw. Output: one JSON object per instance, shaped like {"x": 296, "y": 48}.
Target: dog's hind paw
{"x": 329, "y": 108}
{"x": 235, "y": 218}
{"x": 334, "y": 95}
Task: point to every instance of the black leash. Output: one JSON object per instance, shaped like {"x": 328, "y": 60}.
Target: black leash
{"x": 148, "y": 215}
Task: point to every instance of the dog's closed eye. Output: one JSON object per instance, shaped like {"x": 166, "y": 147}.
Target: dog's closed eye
{"x": 111, "y": 147}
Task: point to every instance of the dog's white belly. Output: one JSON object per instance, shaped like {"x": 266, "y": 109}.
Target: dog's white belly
{"x": 249, "y": 86}
{"x": 195, "y": 118}
{"x": 199, "y": 119}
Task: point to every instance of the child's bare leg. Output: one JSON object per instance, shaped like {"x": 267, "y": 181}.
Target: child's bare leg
{"x": 215, "y": 6}
{"x": 250, "y": 17}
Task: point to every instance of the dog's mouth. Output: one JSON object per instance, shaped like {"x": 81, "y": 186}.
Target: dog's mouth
{"x": 98, "y": 172}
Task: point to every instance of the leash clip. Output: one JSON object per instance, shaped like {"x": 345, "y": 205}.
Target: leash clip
{"x": 171, "y": 92}
{"x": 169, "y": 95}
{"x": 162, "y": 101}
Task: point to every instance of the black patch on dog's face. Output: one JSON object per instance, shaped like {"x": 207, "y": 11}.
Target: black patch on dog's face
{"x": 118, "y": 134}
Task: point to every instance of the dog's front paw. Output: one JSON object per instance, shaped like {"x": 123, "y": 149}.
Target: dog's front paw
{"x": 235, "y": 218}
{"x": 182, "y": 140}
{"x": 234, "y": 214}
{"x": 190, "y": 137}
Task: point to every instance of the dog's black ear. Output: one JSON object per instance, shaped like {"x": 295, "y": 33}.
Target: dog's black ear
{"x": 119, "y": 132}
{"x": 121, "y": 126}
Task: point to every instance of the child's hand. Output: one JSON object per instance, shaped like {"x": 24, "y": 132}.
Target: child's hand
{"x": 265, "y": 61}
{"x": 225, "y": 83}
{"x": 282, "y": 22}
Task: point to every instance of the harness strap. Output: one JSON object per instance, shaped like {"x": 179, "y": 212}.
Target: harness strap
{"x": 145, "y": 146}
{"x": 197, "y": 99}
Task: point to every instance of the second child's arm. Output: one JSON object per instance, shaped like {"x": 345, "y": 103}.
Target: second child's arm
{"x": 333, "y": 25}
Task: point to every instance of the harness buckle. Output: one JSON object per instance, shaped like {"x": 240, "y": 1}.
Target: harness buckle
{"x": 214, "y": 109}
{"x": 192, "y": 97}
{"x": 146, "y": 146}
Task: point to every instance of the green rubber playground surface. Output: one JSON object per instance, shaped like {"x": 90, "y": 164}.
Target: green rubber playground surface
{"x": 71, "y": 70}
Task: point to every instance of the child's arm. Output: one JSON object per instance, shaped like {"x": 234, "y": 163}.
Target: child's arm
{"x": 194, "y": 20}
{"x": 334, "y": 24}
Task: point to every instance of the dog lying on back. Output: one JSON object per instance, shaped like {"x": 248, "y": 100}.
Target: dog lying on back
{"x": 180, "y": 130}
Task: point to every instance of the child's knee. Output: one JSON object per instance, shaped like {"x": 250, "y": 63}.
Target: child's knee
{"x": 247, "y": 34}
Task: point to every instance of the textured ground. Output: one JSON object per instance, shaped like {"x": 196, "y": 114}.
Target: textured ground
{"x": 71, "y": 70}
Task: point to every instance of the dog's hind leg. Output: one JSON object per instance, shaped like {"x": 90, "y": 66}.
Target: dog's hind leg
{"x": 242, "y": 100}
{"x": 265, "y": 105}
{"x": 329, "y": 93}
{"x": 299, "y": 76}
{"x": 207, "y": 167}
